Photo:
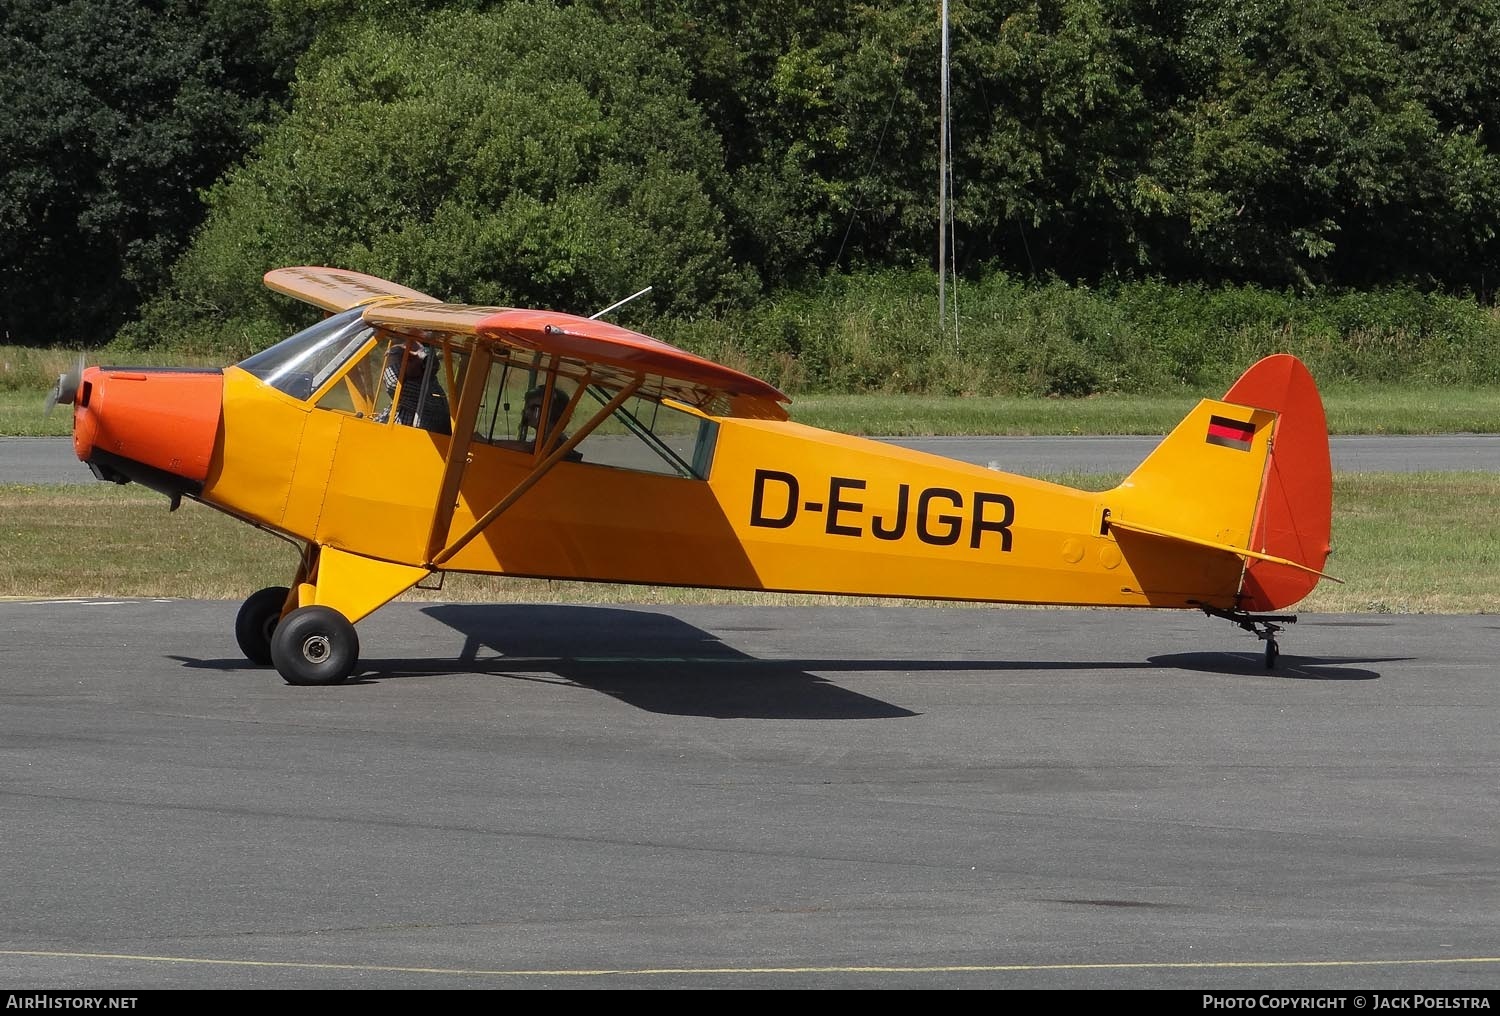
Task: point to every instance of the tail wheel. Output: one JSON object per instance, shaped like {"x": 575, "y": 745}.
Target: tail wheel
{"x": 257, "y": 621}
{"x": 314, "y": 645}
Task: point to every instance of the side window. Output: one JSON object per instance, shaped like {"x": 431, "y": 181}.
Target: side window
{"x": 515, "y": 400}
{"x": 415, "y": 381}
{"x": 647, "y": 435}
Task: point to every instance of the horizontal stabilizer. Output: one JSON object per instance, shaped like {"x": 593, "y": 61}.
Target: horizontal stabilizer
{"x": 1214, "y": 545}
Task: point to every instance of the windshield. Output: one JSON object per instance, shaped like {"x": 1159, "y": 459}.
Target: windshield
{"x": 301, "y": 364}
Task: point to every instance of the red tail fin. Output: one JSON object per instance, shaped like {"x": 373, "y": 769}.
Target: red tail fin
{"x": 1294, "y": 518}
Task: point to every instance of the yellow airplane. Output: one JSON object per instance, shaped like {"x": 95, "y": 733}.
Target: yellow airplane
{"x": 401, "y": 437}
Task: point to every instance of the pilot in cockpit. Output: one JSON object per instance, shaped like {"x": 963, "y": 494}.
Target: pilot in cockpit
{"x": 415, "y": 367}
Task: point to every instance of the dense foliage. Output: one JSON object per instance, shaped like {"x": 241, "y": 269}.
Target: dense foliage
{"x": 741, "y": 157}
{"x": 113, "y": 115}
{"x": 489, "y": 155}
{"x": 1281, "y": 142}
{"x": 873, "y": 332}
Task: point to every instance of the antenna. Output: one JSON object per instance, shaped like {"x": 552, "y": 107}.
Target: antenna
{"x": 618, "y": 304}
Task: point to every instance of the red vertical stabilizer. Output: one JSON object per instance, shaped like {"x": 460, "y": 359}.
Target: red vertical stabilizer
{"x": 1295, "y": 516}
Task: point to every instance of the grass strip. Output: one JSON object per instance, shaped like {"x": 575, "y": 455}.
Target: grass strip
{"x": 1403, "y": 543}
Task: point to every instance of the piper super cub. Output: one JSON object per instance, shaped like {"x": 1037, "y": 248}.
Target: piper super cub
{"x": 401, "y": 437}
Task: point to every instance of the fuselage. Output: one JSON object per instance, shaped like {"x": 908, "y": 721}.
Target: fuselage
{"x": 782, "y": 507}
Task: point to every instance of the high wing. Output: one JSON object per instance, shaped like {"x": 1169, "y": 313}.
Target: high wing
{"x": 336, "y": 289}
{"x": 608, "y": 352}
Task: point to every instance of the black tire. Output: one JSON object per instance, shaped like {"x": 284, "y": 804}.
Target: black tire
{"x": 1273, "y": 653}
{"x": 314, "y": 645}
{"x": 257, "y": 621}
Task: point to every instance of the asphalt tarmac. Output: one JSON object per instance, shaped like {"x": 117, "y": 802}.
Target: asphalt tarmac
{"x": 623, "y": 797}
{"x": 50, "y": 459}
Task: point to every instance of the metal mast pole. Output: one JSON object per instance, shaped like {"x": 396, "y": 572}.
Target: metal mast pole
{"x": 943, "y": 183}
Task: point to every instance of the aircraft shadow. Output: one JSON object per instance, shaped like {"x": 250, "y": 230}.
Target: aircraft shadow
{"x": 662, "y": 664}
{"x": 713, "y": 688}
{"x": 1298, "y": 668}
{"x": 652, "y": 661}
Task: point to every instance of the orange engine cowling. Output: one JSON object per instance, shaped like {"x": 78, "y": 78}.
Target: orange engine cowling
{"x": 156, "y": 426}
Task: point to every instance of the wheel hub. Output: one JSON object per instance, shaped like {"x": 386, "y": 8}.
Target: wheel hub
{"x": 316, "y": 648}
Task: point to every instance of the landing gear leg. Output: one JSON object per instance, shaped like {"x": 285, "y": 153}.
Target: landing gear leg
{"x": 1263, "y": 626}
{"x": 316, "y": 642}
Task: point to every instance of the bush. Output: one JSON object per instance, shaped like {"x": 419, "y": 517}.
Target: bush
{"x": 529, "y": 173}
{"x": 878, "y": 332}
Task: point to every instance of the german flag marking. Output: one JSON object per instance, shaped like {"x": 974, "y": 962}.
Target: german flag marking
{"x": 1230, "y": 433}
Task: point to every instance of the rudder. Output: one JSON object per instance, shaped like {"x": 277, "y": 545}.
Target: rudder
{"x": 1295, "y": 516}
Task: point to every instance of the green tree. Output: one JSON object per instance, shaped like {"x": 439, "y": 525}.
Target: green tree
{"x": 828, "y": 114}
{"x": 1276, "y": 141}
{"x": 113, "y": 115}
{"x": 1055, "y": 133}
{"x": 1301, "y": 149}
{"x": 491, "y": 157}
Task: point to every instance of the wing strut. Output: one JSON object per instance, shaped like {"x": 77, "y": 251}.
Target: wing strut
{"x": 539, "y": 470}
{"x": 477, "y": 374}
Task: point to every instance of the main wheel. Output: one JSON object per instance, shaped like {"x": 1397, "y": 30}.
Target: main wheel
{"x": 257, "y": 621}
{"x": 314, "y": 645}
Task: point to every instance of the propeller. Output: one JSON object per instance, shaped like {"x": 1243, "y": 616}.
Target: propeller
{"x": 66, "y": 389}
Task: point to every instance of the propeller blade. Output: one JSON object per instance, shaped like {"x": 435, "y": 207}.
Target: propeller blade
{"x": 66, "y": 389}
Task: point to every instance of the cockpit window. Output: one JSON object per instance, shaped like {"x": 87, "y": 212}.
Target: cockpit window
{"x": 301, "y": 364}
{"x": 646, "y": 433}
{"x": 416, "y": 378}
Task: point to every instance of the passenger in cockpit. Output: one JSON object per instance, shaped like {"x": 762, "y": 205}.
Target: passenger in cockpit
{"x": 531, "y": 415}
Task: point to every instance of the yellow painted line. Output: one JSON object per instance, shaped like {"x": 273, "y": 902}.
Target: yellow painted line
{"x": 670, "y": 971}
{"x": 85, "y": 601}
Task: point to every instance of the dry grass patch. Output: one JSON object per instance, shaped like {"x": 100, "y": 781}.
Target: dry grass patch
{"x": 1403, "y": 543}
